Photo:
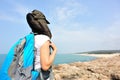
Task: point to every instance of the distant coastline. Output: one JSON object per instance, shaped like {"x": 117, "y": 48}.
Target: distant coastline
{"x": 100, "y": 52}
{"x": 101, "y": 55}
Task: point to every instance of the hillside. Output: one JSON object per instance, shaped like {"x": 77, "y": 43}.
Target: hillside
{"x": 101, "y": 52}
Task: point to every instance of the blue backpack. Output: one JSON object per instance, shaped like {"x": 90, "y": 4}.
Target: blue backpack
{"x": 19, "y": 63}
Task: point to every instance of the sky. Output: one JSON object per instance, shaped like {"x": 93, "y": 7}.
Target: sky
{"x": 76, "y": 25}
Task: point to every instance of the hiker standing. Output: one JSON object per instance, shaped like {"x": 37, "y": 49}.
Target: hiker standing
{"x": 43, "y": 56}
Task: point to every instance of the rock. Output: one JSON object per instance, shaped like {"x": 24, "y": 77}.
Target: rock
{"x": 115, "y": 76}
{"x": 99, "y": 69}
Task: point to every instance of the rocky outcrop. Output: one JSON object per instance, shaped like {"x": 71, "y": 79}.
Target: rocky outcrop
{"x": 99, "y": 69}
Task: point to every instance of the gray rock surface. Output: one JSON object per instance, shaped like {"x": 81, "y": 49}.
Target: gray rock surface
{"x": 99, "y": 69}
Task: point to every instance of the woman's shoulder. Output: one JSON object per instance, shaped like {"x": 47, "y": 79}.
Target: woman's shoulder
{"x": 41, "y": 39}
{"x": 41, "y": 36}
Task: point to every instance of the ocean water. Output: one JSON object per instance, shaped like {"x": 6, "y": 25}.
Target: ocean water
{"x": 60, "y": 58}
{"x": 2, "y": 58}
{"x": 69, "y": 58}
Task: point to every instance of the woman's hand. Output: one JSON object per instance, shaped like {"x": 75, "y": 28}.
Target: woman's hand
{"x": 53, "y": 46}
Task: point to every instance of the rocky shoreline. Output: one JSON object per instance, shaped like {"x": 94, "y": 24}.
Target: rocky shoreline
{"x": 99, "y": 69}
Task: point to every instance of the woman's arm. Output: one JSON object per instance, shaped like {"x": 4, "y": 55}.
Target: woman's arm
{"x": 45, "y": 57}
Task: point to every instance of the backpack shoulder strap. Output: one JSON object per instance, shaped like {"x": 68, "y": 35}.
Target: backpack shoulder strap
{"x": 29, "y": 50}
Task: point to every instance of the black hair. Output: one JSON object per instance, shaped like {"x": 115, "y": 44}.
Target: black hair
{"x": 38, "y": 25}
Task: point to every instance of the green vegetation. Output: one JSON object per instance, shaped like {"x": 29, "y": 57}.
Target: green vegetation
{"x": 101, "y": 52}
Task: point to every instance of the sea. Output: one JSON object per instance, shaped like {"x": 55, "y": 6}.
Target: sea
{"x": 60, "y": 58}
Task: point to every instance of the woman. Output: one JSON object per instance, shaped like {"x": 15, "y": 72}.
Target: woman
{"x": 43, "y": 57}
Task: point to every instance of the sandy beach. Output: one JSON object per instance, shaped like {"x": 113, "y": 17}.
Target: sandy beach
{"x": 101, "y": 55}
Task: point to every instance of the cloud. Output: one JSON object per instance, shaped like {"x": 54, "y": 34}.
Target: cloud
{"x": 21, "y": 9}
{"x": 69, "y": 10}
{"x": 112, "y": 35}
{"x": 6, "y": 17}
{"x": 90, "y": 38}
{"x": 71, "y": 35}
{"x": 16, "y": 14}
{"x": 12, "y": 18}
